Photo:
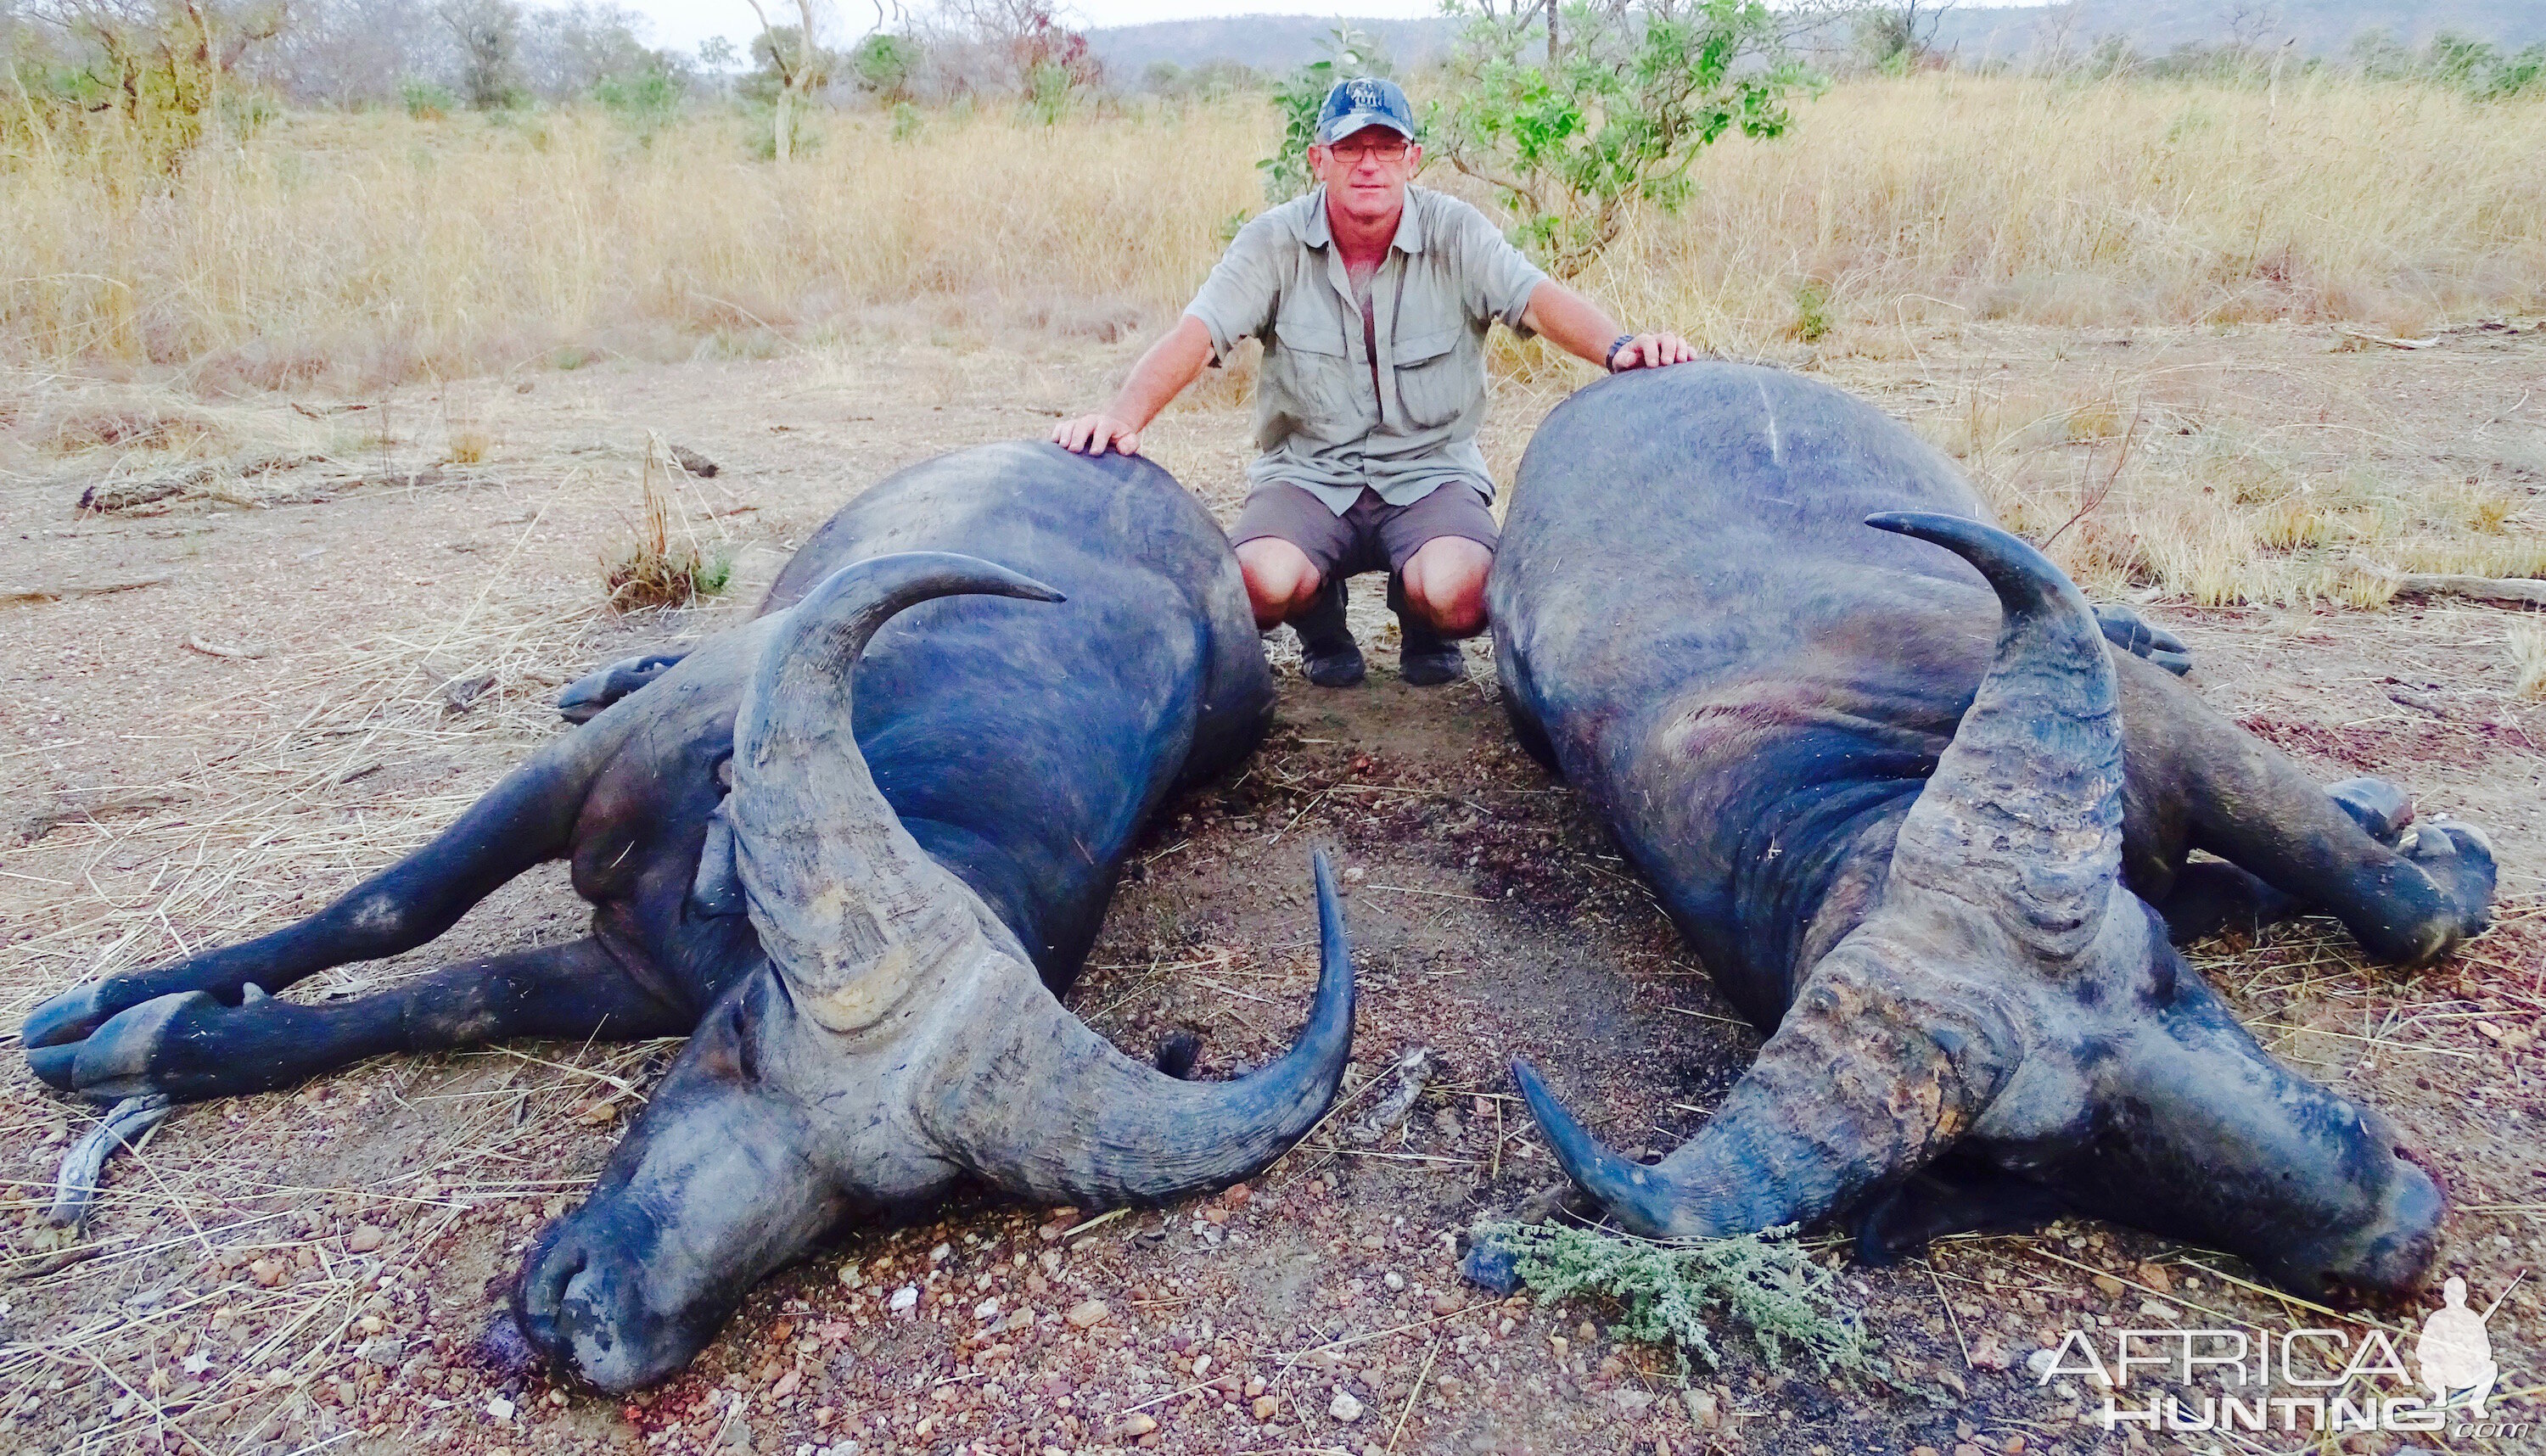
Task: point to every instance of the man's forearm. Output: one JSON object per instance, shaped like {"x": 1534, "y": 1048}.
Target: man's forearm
{"x": 1169, "y": 364}
{"x": 1571, "y": 322}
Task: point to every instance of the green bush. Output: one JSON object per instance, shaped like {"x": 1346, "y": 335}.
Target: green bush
{"x": 1668, "y": 1293}
{"x": 644, "y": 101}
{"x": 1576, "y": 129}
{"x": 426, "y": 101}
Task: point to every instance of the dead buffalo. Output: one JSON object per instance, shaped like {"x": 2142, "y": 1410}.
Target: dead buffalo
{"x": 864, "y": 937}
{"x": 1753, "y": 619}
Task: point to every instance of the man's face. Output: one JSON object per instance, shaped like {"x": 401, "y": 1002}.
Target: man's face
{"x": 1365, "y": 174}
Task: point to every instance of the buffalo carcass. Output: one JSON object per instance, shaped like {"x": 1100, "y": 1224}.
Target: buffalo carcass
{"x": 859, "y": 937}
{"x": 1927, "y": 831}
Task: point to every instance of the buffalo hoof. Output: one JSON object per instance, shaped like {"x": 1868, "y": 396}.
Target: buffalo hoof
{"x": 2458, "y": 858}
{"x": 66, "y": 1019}
{"x": 2130, "y": 632}
{"x": 117, "y": 1059}
{"x": 187, "y": 1047}
{"x": 584, "y": 698}
{"x": 2380, "y": 808}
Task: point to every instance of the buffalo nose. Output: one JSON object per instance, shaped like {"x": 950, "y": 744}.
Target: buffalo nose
{"x": 2388, "y": 1254}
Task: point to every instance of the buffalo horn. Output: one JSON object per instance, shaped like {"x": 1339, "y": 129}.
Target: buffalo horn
{"x": 1041, "y": 1106}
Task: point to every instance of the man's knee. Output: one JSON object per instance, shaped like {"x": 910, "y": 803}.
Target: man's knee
{"x": 1280, "y": 579}
{"x": 1445, "y": 585}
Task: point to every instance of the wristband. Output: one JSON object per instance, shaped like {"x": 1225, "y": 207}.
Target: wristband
{"x": 1609, "y": 361}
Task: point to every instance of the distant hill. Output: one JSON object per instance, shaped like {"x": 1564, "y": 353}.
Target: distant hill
{"x": 1274, "y": 43}
{"x": 2155, "y": 26}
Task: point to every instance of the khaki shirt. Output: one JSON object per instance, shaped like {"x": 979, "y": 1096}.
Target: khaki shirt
{"x": 1326, "y": 417}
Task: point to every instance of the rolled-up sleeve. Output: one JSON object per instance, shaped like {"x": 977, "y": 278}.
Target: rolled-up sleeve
{"x": 1500, "y": 278}
{"x": 1238, "y": 301}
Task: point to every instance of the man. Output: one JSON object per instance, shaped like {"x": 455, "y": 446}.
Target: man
{"x": 1373, "y": 300}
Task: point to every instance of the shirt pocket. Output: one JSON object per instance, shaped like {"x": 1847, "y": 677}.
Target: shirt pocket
{"x": 1440, "y": 375}
{"x": 1312, "y": 369}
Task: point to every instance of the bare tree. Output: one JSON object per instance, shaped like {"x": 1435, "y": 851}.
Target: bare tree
{"x": 488, "y": 34}
{"x": 346, "y": 53}
{"x": 798, "y": 72}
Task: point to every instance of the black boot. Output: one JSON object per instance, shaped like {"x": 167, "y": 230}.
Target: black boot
{"x": 1427, "y": 659}
{"x": 1330, "y": 657}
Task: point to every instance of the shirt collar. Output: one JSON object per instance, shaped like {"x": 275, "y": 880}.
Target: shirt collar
{"x": 1316, "y": 234}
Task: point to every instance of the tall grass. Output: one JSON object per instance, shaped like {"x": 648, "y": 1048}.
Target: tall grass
{"x": 378, "y": 248}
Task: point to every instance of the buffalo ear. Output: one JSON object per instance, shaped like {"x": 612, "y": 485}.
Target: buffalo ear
{"x": 726, "y": 1046}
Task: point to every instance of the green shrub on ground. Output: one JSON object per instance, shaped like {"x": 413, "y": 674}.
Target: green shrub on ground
{"x": 1674, "y": 1293}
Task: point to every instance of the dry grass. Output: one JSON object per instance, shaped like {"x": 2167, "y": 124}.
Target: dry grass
{"x": 659, "y": 570}
{"x": 375, "y": 248}
{"x": 2188, "y": 478}
{"x": 2529, "y": 659}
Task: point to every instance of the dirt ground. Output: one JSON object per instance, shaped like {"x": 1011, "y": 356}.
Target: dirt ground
{"x": 225, "y": 707}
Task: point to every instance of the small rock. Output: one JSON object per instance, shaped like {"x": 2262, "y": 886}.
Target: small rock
{"x": 1263, "y": 1406}
{"x": 696, "y": 464}
{"x": 1489, "y": 1266}
{"x": 904, "y": 1300}
{"x": 1138, "y": 1424}
{"x": 2110, "y": 1287}
{"x": 1345, "y": 1407}
{"x": 499, "y": 1407}
{"x": 2158, "y": 1310}
{"x": 1922, "y": 1451}
{"x": 1631, "y": 1401}
{"x": 2155, "y": 1278}
{"x": 1236, "y": 1195}
{"x": 986, "y": 1308}
{"x": 1445, "y": 1303}
{"x": 2040, "y": 1363}
{"x": 1394, "y": 1280}
{"x": 381, "y": 1349}
{"x": 364, "y": 1238}
{"x": 786, "y": 1385}
{"x": 1708, "y": 1415}
{"x": 1088, "y": 1314}
{"x": 460, "y": 694}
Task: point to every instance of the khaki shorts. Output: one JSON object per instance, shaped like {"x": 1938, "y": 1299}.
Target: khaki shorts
{"x": 1373, "y": 536}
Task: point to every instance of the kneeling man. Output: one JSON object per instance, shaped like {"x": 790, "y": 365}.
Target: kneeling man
{"x": 1373, "y": 299}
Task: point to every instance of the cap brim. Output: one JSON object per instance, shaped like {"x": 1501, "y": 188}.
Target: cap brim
{"x": 1351, "y": 122}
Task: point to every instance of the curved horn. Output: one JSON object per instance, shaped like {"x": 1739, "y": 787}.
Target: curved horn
{"x": 838, "y": 889}
{"x": 1866, "y": 1079}
{"x": 1039, "y": 1105}
{"x": 2023, "y": 815}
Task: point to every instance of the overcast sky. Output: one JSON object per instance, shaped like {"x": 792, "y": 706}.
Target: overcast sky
{"x": 683, "y": 23}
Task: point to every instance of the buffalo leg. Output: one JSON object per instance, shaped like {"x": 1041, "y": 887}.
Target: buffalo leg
{"x": 2200, "y": 782}
{"x": 190, "y": 1046}
{"x": 2215, "y": 898}
{"x": 527, "y": 818}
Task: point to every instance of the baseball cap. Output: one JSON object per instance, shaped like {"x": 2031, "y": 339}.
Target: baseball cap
{"x": 1364, "y": 100}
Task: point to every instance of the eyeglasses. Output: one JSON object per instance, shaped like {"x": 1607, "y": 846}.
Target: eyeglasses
{"x": 1354, "y": 153}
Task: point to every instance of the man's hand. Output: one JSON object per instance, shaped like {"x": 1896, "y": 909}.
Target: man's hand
{"x": 1089, "y": 434}
{"x": 1651, "y": 351}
